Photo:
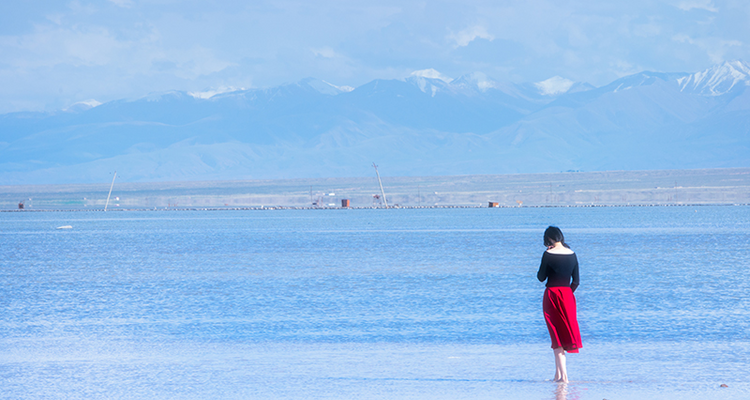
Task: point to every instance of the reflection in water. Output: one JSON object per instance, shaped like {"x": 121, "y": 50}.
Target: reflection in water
{"x": 563, "y": 392}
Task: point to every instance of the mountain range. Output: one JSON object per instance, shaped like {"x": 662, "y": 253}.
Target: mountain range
{"x": 425, "y": 124}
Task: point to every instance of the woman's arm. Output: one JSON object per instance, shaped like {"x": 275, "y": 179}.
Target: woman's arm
{"x": 542, "y": 273}
{"x": 576, "y": 278}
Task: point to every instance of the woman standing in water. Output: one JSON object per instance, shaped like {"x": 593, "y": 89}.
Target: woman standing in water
{"x": 560, "y": 268}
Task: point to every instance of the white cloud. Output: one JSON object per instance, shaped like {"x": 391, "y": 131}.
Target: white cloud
{"x": 196, "y": 61}
{"x": 554, "y": 85}
{"x": 715, "y": 48}
{"x": 717, "y": 53}
{"x": 325, "y": 52}
{"x": 122, "y": 3}
{"x": 682, "y": 38}
{"x": 78, "y": 8}
{"x": 650, "y": 29}
{"x": 688, "y": 5}
{"x": 468, "y": 35}
{"x": 55, "y": 18}
{"x": 48, "y": 46}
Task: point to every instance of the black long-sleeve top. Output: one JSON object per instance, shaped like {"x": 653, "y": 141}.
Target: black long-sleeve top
{"x": 558, "y": 269}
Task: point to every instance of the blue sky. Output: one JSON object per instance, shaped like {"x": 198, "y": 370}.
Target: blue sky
{"x": 56, "y": 53}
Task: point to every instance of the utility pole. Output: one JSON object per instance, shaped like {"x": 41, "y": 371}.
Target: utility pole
{"x": 110, "y": 191}
{"x": 381, "y": 185}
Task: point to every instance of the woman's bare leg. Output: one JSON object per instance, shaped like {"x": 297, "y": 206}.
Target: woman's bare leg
{"x": 561, "y": 371}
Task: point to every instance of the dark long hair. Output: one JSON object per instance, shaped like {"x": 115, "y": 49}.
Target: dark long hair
{"x": 552, "y": 235}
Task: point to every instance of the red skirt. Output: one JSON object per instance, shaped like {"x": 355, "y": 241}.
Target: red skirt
{"x": 560, "y": 314}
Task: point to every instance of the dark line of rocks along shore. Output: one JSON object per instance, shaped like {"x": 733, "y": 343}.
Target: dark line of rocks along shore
{"x": 272, "y": 208}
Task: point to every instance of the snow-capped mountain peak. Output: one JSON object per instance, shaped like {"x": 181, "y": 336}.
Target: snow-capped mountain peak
{"x": 207, "y": 94}
{"x": 554, "y": 86}
{"x": 429, "y": 80}
{"x": 324, "y": 87}
{"x": 718, "y": 79}
{"x": 83, "y": 105}
{"x": 431, "y": 74}
{"x": 476, "y": 80}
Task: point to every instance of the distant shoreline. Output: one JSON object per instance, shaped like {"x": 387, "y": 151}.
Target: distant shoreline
{"x": 281, "y": 208}
{"x": 726, "y": 186}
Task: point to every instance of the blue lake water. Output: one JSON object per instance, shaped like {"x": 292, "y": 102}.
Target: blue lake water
{"x": 370, "y": 304}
